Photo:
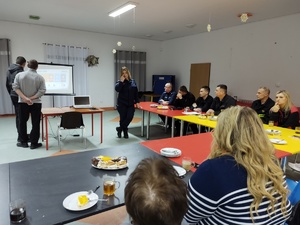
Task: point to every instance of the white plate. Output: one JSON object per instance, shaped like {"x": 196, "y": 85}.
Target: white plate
{"x": 112, "y": 167}
{"x": 213, "y": 118}
{"x": 278, "y": 141}
{"x": 71, "y": 202}
{"x": 170, "y": 152}
{"x": 162, "y": 107}
{"x": 190, "y": 113}
{"x": 180, "y": 170}
{"x": 153, "y": 105}
{"x": 271, "y": 131}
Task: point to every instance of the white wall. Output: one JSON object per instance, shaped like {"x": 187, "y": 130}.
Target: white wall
{"x": 26, "y": 40}
{"x": 244, "y": 57}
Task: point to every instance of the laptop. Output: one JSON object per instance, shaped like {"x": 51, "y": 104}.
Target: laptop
{"x": 82, "y": 102}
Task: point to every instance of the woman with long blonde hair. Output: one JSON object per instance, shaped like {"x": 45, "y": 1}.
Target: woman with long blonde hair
{"x": 284, "y": 113}
{"x": 241, "y": 182}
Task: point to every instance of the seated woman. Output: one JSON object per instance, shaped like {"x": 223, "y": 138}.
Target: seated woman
{"x": 241, "y": 182}
{"x": 155, "y": 194}
{"x": 284, "y": 113}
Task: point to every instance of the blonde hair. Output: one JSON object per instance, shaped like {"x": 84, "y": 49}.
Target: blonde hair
{"x": 240, "y": 133}
{"x": 124, "y": 68}
{"x": 287, "y": 107}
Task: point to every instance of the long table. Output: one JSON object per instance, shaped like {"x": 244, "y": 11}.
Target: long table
{"x": 44, "y": 183}
{"x": 146, "y": 107}
{"x": 46, "y": 112}
{"x": 196, "y": 146}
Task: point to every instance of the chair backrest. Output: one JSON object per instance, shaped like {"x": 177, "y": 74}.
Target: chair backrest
{"x": 295, "y": 194}
{"x": 71, "y": 120}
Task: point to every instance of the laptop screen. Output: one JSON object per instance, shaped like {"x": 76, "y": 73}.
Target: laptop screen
{"x": 81, "y": 100}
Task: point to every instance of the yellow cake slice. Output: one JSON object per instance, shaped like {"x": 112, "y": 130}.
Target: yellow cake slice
{"x": 82, "y": 200}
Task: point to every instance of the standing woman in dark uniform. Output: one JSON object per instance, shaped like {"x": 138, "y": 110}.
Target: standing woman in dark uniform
{"x": 127, "y": 97}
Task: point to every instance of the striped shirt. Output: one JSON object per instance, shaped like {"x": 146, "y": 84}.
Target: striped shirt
{"x": 218, "y": 195}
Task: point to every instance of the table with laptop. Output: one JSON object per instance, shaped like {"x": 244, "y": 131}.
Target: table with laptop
{"x": 81, "y": 104}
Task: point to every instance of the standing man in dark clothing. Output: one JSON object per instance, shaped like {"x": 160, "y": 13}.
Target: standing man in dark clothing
{"x": 30, "y": 86}
{"x": 183, "y": 99}
{"x": 167, "y": 98}
{"x": 263, "y": 104}
{"x": 127, "y": 98}
{"x": 204, "y": 101}
{"x": 221, "y": 101}
{"x": 12, "y": 71}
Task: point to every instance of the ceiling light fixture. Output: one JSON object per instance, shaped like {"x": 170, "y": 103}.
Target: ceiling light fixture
{"x": 244, "y": 16}
{"x": 122, "y": 9}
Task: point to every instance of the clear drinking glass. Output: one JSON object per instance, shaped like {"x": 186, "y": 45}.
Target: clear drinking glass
{"x": 17, "y": 211}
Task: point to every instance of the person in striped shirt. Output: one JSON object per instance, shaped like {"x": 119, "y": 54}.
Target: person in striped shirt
{"x": 241, "y": 182}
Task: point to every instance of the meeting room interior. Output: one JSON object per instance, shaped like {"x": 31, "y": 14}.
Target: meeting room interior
{"x": 245, "y": 45}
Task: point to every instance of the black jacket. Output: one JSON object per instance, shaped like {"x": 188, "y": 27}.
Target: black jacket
{"x": 204, "y": 104}
{"x": 263, "y": 109}
{"x": 128, "y": 93}
{"x": 11, "y": 73}
{"x": 186, "y": 101}
{"x": 226, "y": 102}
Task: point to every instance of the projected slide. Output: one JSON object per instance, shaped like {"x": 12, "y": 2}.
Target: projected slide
{"x": 58, "y": 78}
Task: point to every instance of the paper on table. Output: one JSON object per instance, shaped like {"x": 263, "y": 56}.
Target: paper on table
{"x": 190, "y": 113}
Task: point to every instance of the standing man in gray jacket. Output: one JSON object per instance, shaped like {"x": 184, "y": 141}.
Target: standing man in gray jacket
{"x": 30, "y": 86}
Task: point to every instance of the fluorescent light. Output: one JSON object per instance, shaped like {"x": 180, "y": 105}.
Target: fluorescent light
{"x": 122, "y": 9}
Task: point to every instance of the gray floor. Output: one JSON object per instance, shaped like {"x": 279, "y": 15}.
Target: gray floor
{"x": 11, "y": 153}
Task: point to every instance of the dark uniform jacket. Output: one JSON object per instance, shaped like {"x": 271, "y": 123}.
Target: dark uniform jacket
{"x": 186, "y": 101}
{"x": 128, "y": 93}
{"x": 288, "y": 119}
{"x": 204, "y": 104}
{"x": 263, "y": 110}
{"x": 226, "y": 102}
{"x": 170, "y": 97}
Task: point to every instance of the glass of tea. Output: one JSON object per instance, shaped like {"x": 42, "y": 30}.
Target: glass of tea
{"x": 17, "y": 211}
{"x": 187, "y": 163}
{"x": 109, "y": 186}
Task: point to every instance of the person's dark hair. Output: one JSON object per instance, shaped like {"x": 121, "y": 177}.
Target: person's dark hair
{"x": 183, "y": 88}
{"x": 224, "y": 87}
{"x": 206, "y": 88}
{"x": 155, "y": 194}
{"x": 20, "y": 60}
{"x": 32, "y": 64}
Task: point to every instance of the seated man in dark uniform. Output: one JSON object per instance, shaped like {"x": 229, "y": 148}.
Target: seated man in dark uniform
{"x": 184, "y": 99}
{"x": 204, "y": 101}
{"x": 263, "y": 104}
{"x": 202, "y": 104}
{"x": 167, "y": 98}
{"x": 221, "y": 101}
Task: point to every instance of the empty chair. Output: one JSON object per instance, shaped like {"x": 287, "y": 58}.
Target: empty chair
{"x": 70, "y": 121}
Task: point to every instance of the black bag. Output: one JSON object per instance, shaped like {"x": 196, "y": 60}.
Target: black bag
{"x": 295, "y": 216}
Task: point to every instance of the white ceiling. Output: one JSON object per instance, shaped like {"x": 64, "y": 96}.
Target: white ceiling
{"x": 150, "y": 20}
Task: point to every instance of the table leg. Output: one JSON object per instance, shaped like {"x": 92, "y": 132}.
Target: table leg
{"x": 142, "y": 123}
{"x": 148, "y": 126}
{"x": 181, "y": 127}
{"x": 43, "y": 138}
{"x": 173, "y": 127}
{"x": 166, "y": 124}
{"x": 283, "y": 163}
{"x": 46, "y": 124}
{"x": 101, "y": 127}
{"x": 92, "y": 116}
